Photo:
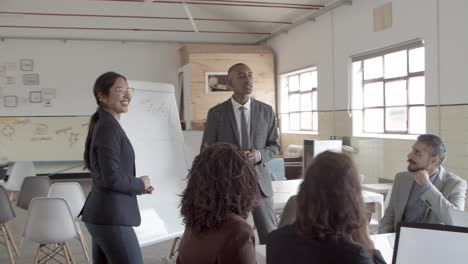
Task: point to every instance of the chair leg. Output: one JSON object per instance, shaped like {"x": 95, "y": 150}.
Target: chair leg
{"x": 36, "y": 257}
{"x": 11, "y": 240}
{"x": 174, "y": 247}
{"x": 7, "y": 243}
{"x": 82, "y": 241}
{"x": 67, "y": 248}
{"x": 65, "y": 254}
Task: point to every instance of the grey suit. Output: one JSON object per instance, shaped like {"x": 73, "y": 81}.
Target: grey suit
{"x": 447, "y": 191}
{"x": 221, "y": 126}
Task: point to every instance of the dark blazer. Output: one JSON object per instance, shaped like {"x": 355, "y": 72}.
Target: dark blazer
{"x": 232, "y": 243}
{"x": 285, "y": 245}
{"x": 221, "y": 127}
{"x": 112, "y": 200}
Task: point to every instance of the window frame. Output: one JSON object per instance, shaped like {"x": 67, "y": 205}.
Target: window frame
{"x": 313, "y": 109}
{"x": 360, "y": 131}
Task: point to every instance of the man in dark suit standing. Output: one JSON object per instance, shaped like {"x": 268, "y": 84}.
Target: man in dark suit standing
{"x": 251, "y": 125}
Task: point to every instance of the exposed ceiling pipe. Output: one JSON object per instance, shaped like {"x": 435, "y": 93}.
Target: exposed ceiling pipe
{"x": 142, "y": 17}
{"x": 138, "y": 30}
{"x": 189, "y": 15}
{"x": 233, "y": 3}
{"x": 310, "y": 17}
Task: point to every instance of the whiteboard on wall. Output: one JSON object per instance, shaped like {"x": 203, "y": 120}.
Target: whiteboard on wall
{"x": 152, "y": 124}
{"x": 43, "y": 138}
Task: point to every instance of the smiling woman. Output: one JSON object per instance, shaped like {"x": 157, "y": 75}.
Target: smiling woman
{"x": 111, "y": 209}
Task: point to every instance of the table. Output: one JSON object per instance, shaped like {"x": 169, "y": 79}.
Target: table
{"x": 381, "y": 188}
{"x": 283, "y": 190}
{"x": 383, "y": 242}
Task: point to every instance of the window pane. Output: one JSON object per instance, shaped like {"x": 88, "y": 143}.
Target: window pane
{"x": 315, "y": 121}
{"x": 416, "y": 60}
{"x": 395, "y": 93}
{"x": 373, "y": 68}
{"x": 293, "y": 83}
{"x": 417, "y": 90}
{"x": 357, "y": 85}
{"x": 373, "y": 94}
{"x": 373, "y": 121}
{"x": 417, "y": 120}
{"x": 294, "y": 121}
{"x": 294, "y": 102}
{"x": 306, "y": 120}
{"x": 306, "y": 81}
{"x": 395, "y": 64}
{"x": 284, "y": 99}
{"x": 314, "y": 100}
{"x": 314, "y": 79}
{"x": 306, "y": 102}
{"x": 395, "y": 119}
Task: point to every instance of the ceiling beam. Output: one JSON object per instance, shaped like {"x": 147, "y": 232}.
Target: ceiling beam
{"x": 142, "y": 17}
{"x": 310, "y": 17}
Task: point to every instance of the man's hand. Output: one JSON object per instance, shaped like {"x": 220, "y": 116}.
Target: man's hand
{"x": 253, "y": 155}
{"x": 421, "y": 177}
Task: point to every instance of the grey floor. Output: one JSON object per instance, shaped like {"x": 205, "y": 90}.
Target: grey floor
{"x": 151, "y": 254}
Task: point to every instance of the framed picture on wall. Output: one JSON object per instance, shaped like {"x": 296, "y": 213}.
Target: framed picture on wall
{"x": 216, "y": 82}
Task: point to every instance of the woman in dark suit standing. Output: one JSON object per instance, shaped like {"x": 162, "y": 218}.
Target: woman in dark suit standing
{"x": 222, "y": 190}
{"x": 111, "y": 209}
{"x": 331, "y": 224}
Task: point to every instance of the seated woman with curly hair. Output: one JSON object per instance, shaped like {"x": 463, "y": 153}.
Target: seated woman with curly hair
{"x": 221, "y": 191}
{"x": 331, "y": 223}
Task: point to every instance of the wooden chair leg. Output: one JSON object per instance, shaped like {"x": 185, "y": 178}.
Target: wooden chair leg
{"x": 11, "y": 239}
{"x": 174, "y": 247}
{"x": 38, "y": 253}
{"x": 69, "y": 253}
{"x": 65, "y": 253}
{"x": 82, "y": 240}
{"x": 7, "y": 243}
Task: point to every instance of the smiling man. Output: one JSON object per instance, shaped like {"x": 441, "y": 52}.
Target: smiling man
{"x": 425, "y": 192}
{"x": 251, "y": 125}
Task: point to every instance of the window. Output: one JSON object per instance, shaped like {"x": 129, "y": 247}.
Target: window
{"x": 298, "y": 101}
{"x": 389, "y": 91}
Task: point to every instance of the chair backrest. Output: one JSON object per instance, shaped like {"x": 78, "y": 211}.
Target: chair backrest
{"x": 16, "y": 174}
{"x": 276, "y": 167}
{"x": 49, "y": 221}
{"x": 32, "y": 187}
{"x": 71, "y": 192}
{"x": 6, "y": 210}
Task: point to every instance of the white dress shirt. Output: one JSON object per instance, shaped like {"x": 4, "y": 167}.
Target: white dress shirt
{"x": 237, "y": 113}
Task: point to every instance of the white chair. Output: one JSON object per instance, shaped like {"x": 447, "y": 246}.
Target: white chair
{"x": 75, "y": 198}
{"x": 50, "y": 223}
{"x": 16, "y": 174}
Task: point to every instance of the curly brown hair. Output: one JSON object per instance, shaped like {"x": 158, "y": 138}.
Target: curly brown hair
{"x": 221, "y": 181}
{"x": 330, "y": 203}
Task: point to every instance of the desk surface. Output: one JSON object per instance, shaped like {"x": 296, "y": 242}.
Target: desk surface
{"x": 382, "y": 188}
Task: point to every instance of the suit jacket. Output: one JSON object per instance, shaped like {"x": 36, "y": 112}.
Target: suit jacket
{"x": 112, "y": 200}
{"x": 286, "y": 245}
{"x": 447, "y": 191}
{"x": 221, "y": 126}
{"x": 233, "y": 242}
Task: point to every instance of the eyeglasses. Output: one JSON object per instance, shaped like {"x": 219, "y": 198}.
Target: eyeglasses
{"x": 123, "y": 91}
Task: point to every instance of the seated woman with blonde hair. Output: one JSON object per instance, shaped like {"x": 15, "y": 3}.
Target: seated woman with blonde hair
{"x": 331, "y": 224}
{"x": 222, "y": 190}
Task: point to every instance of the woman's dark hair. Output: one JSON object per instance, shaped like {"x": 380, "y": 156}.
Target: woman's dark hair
{"x": 330, "y": 203}
{"x": 102, "y": 86}
{"x": 222, "y": 181}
